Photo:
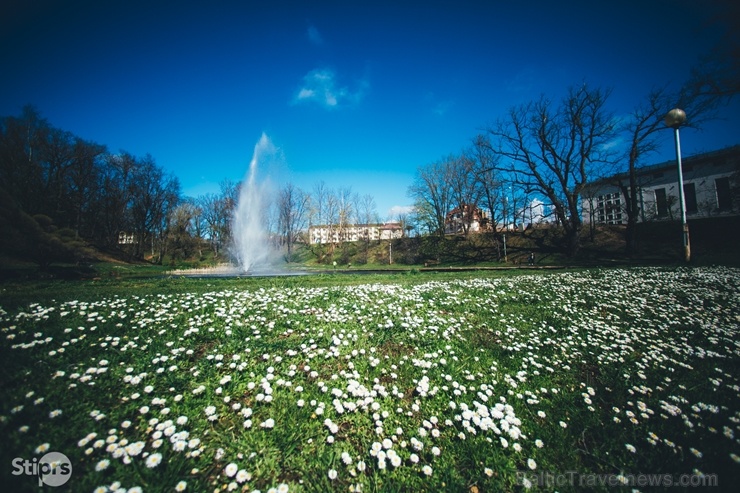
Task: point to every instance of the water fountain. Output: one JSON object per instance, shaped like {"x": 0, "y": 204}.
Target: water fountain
{"x": 251, "y": 247}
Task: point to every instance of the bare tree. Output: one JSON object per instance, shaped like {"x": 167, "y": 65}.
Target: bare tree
{"x": 197, "y": 224}
{"x": 153, "y": 195}
{"x": 292, "y": 206}
{"x": 318, "y": 214}
{"x": 57, "y": 156}
{"x": 182, "y": 242}
{"x": 21, "y": 168}
{"x": 490, "y": 179}
{"x": 318, "y": 204}
{"x": 367, "y": 210}
{"x": 433, "y": 195}
{"x": 465, "y": 187}
{"x": 216, "y": 214}
{"x": 82, "y": 183}
{"x": 326, "y": 211}
{"x": 331, "y": 211}
{"x": 555, "y": 150}
{"x": 403, "y": 218}
{"x": 366, "y": 213}
{"x": 113, "y": 213}
{"x": 345, "y": 211}
{"x": 423, "y": 218}
{"x": 641, "y": 127}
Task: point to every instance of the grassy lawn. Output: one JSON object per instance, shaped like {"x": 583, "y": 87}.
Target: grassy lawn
{"x": 590, "y": 380}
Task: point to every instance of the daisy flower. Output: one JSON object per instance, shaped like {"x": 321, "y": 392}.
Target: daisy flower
{"x": 231, "y": 469}
{"x": 242, "y": 476}
{"x": 153, "y": 460}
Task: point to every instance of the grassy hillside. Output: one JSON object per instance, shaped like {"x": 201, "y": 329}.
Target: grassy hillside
{"x": 713, "y": 241}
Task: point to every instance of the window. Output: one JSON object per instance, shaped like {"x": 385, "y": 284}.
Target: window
{"x": 689, "y": 195}
{"x": 609, "y": 208}
{"x": 661, "y": 202}
{"x": 724, "y": 198}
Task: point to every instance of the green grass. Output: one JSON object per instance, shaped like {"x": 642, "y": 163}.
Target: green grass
{"x": 435, "y": 381}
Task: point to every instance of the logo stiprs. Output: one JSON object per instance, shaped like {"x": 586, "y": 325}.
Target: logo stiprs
{"x": 53, "y": 469}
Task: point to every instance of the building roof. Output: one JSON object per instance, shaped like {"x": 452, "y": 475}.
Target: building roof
{"x": 373, "y": 225}
{"x": 391, "y": 226}
{"x": 466, "y": 208}
{"x": 724, "y": 160}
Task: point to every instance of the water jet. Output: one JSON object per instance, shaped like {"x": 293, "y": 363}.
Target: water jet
{"x": 251, "y": 248}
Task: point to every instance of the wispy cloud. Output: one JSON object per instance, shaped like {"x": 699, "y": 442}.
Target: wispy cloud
{"x": 439, "y": 107}
{"x": 314, "y": 36}
{"x": 443, "y": 107}
{"x": 320, "y": 86}
{"x": 614, "y": 143}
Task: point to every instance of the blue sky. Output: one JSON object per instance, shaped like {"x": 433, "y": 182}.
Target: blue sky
{"x": 354, "y": 93}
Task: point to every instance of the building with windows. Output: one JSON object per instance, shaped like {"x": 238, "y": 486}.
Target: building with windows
{"x": 711, "y": 188}
{"x": 334, "y": 233}
{"x": 467, "y": 217}
{"x": 126, "y": 238}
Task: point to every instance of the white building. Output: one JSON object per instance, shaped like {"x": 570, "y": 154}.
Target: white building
{"x": 125, "y": 238}
{"x": 711, "y": 188}
{"x": 333, "y": 233}
{"x": 534, "y": 213}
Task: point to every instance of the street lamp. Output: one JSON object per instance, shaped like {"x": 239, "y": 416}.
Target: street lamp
{"x": 506, "y": 226}
{"x": 674, "y": 119}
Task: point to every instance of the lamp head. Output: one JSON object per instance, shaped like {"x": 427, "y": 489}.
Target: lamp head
{"x": 675, "y": 118}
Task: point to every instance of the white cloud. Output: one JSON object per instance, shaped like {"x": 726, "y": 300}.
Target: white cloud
{"x": 306, "y": 94}
{"x": 314, "y": 35}
{"x": 397, "y": 210}
{"x": 320, "y": 86}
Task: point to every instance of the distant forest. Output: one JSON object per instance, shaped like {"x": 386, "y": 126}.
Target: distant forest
{"x": 59, "y": 193}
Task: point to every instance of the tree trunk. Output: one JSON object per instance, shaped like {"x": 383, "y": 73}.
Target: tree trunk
{"x": 572, "y": 241}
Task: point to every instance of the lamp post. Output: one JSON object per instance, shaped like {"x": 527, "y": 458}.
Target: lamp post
{"x": 674, "y": 119}
{"x": 506, "y": 226}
